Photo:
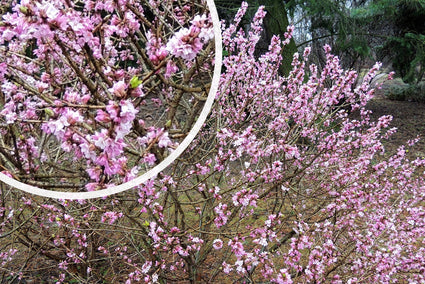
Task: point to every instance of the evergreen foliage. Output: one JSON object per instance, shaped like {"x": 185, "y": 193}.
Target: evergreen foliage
{"x": 359, "y": 32}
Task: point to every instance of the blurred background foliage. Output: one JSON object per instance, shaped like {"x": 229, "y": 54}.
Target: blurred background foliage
{"x": 360, "y": 32}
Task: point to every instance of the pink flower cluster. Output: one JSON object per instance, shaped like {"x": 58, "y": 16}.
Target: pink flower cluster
{"x": 154, "y": 49}
{"x": 188, "y": 42}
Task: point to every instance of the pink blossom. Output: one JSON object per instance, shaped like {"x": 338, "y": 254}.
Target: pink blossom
{"x": 102, "y": 116}
{"x": 150, "y": 159}
{"x": 204, "y": 23}
{"x": 63, "y": 265}
{"x": 170, "y": 69}
{"x": 110, "y": 217}
{"x": 119, "y": 89}
{"x": 185, "y": 44}
{"x": 164, "y": 140}
{"x": 155, "y": 50}
{"x": 217, "y": 244}
{"x": 226, "y": 268}
{"x": 284, "y": 277}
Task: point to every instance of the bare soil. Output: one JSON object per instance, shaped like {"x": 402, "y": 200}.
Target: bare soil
{"x": 408, "y": 118}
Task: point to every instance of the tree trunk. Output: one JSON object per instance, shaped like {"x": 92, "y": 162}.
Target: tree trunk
{"x": 276, "y": 23}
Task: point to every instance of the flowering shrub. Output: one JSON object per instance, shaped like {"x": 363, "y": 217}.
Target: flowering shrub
{"x": 99, "y": 91}
{"x": 281, "y": 186}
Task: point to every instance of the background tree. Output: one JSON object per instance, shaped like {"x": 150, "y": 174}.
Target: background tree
{"x": 359, "y": 32}
{"x": 323, "y": 22}
{"x": 405, "y": 38}
{"x": 274, "y": 23}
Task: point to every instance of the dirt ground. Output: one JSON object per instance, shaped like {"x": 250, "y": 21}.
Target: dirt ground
{"x": 408, "y": 118}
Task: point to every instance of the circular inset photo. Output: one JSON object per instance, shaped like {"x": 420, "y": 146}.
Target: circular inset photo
{"x": 98, "y": 97}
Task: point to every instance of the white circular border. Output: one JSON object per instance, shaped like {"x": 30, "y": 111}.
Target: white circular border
{"x": 167, "y": 161}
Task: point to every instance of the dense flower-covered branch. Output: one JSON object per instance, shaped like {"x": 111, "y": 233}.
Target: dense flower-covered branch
{"x": 94, "y": 85}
